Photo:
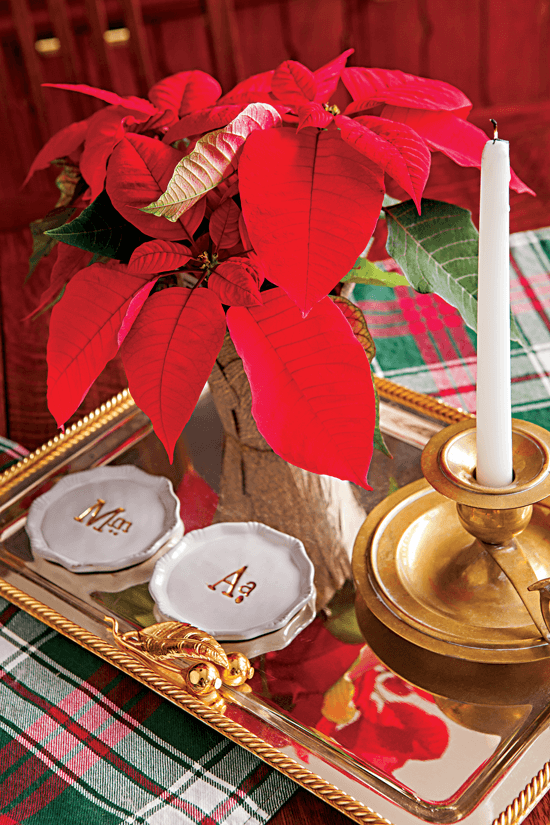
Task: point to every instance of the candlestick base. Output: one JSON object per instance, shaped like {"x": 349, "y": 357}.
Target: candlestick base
{"x": 442, "y": 574}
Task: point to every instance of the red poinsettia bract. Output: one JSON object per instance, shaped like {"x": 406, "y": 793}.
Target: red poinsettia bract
{"x": 84, "y": 332}
{"x": 169, "y": 354}
{"x": 255, "y": 205}
{"x": 318, "y": 372}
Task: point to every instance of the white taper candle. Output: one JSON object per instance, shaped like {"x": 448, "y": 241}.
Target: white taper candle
{"x": 494, "y": 414}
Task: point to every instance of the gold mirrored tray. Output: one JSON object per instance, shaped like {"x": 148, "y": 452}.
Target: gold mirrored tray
{"x": 324, "y": 710}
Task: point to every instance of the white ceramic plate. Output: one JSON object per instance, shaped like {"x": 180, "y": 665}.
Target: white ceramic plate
{"x": 104, "y": 519}
{"x": 235, "y": 580}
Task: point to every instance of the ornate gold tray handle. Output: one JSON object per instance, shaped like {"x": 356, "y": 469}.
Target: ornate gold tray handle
{"x": 165, "y": 647}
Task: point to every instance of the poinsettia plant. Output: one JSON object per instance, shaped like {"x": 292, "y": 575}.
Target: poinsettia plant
{"x": 191, "y": 213}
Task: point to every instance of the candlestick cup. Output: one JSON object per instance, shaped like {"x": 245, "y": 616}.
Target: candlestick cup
{"x": 453, "y": 577}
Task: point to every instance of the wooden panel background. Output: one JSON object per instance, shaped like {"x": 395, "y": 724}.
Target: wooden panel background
{"x": 496, "y": 51}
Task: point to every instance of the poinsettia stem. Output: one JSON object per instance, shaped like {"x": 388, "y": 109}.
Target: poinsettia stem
{"x": 185, "y": 279}
{"x": 200, "y": 279}
{"x": 193, "y": 288}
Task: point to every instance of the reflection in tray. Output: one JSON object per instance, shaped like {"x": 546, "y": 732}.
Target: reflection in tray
{"x": 375, "y": 724}
{"x": 325, "y": 700}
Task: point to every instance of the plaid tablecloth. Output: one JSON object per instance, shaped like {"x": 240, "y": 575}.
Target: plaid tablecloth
{"x": 422, "y": 343}
{"x": 82, "y": 743}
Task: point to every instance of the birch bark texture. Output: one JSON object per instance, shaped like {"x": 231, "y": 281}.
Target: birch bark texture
{"x": 257, "y": 485}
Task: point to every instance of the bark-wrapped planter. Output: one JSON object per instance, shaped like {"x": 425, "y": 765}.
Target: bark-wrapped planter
{"x": 257, "y": 485}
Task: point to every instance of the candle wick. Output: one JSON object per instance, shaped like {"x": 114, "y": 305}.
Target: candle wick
{"x": 495, "y": 128}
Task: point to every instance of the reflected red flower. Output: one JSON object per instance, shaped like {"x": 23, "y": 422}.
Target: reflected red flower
{"x": 393, "y": 724}
{"x": 393, "y": 721}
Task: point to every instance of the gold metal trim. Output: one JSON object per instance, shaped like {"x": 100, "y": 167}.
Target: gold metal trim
{"x": 423, "y": 404}
{"x": 518, "y": 809}
{"x": 62, "y": 443}
{"x": 514, "y": 814}
{"x": 527, "y": 800}
{"x": 166, "y": 644}
{"x": 131, "y": 665}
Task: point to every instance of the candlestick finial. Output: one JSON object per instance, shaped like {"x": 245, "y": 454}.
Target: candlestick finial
{"x": 495, "y": 128}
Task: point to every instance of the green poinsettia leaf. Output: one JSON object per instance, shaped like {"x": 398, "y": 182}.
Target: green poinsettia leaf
{"x": 70, "y": 182}
{"x": 50, "y": 304}
{"x": 393, "y": 486}
{"x": 42, "y": 244}
{"x": 378, "y": 440}
{"x": 358, "y": 324}
{"x": 438, "y": 252}
{"x": 102, "y": 230}
{"x": 366, "y": 272}
{"x": 342, "y": 621}
{"x": 213, "y": 159}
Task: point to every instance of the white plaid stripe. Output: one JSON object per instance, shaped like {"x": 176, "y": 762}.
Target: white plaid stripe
{"x": 207, "y": 789}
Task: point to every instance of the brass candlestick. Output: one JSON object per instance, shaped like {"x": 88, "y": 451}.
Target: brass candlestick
{"x": 453, "y": 578}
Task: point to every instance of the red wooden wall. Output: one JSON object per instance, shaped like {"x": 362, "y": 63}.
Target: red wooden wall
{"x": 496, "y": 51}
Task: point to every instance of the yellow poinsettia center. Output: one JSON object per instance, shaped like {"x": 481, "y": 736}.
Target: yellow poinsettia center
{"x": 334, "y": 110}
{"x": 207, "y": 263}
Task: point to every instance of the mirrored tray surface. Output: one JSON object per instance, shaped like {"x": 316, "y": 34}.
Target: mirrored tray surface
{"x": 324, "y": 710}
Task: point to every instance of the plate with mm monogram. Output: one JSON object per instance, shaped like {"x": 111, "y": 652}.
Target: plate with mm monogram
{"x": 108, "y": 518}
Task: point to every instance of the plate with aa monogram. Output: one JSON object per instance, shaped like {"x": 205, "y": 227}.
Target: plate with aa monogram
{"x": 236, "y": 580}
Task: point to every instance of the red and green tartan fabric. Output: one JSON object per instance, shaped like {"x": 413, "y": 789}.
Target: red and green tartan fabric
{"x": 422, "y": 343}
{"x": 10, "y": 453}
{"x": 81, "y": 742}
